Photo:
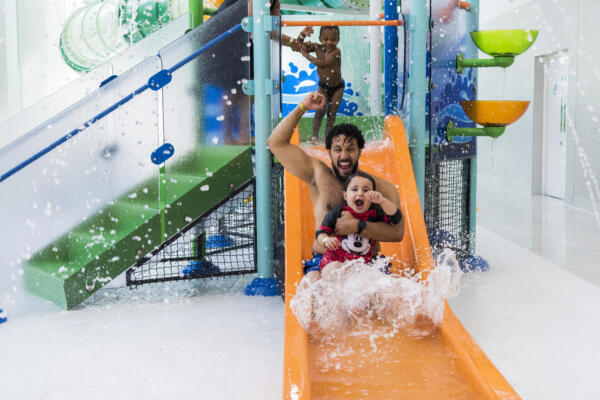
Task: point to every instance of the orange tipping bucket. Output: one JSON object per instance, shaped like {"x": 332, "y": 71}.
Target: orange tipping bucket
{"x": 494, "y": 112}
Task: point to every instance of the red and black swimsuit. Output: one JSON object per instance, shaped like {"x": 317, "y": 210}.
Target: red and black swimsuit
{"x": 353, "y": 246}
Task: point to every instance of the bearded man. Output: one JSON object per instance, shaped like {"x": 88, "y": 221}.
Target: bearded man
{"x": 344, "y": 143}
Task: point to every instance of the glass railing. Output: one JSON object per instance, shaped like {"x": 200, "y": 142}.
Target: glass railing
{"x": 104, "y": 175}
{"x": 31, "y": 117}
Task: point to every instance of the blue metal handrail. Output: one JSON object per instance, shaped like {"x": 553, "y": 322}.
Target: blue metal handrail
{"x": 155, "y": 82}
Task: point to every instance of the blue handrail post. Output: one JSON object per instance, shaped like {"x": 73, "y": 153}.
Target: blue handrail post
{"x": 265, "y": 284}
{"x": 418, "y": 27}
{"x": 391, "y": 58}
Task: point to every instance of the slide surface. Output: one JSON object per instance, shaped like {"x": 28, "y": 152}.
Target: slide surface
{"x": 445, "y": 365}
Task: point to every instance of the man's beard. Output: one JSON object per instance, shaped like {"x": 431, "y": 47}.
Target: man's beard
{"x": 340, "y": 177}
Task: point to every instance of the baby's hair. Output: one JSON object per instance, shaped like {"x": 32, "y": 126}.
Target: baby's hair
{"x": 329, "y": 28}
{"x": 362, "y": 175}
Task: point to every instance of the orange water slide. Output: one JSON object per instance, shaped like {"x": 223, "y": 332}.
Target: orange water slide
{"x": 445, "y": 365}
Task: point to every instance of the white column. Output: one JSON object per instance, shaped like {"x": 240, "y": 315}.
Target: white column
{"x": 13, "y": 73}
{"x": 375, "y": 80}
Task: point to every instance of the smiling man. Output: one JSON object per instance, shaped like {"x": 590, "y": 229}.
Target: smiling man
{"x": 326, "y": 183}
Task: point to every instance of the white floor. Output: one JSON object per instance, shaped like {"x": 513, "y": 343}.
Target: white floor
{"x": 196, "y": 340}
{"x": 535, "y": 313}
{"x": 537, "y": 322}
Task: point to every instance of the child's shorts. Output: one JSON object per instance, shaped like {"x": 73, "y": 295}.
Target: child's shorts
{"x": 312, "y": 264}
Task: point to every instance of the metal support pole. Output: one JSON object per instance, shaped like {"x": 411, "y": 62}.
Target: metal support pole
{"x": 391, "y": 58}
{"x": 375, "y": 60}
{"x": 265, "y": 284}
{"x": 418, "y": 25}
{"x": 473, "y": 178}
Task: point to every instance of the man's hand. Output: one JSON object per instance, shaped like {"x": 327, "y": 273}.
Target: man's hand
{"x": 345, "y": 224}
{"x": 314, "y": 101}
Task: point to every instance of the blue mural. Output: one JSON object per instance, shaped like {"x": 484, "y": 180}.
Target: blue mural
{"x": 297, "y": 83}
{"x": 450, "y": 36}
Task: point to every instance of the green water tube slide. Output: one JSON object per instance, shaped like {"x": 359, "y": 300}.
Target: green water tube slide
{"x": 340, "y": 4}
{"x": 102, "y": 28}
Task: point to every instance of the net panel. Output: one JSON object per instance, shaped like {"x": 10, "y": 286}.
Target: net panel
{"x": 221, "y": 242}
{"x": 278, "y": 222}
{"x": 447, "y": 205}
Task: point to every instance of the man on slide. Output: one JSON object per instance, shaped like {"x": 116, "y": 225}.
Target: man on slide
{"x": 344, "y": 143}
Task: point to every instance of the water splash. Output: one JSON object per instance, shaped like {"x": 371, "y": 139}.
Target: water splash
{"x": 359, "y": 294}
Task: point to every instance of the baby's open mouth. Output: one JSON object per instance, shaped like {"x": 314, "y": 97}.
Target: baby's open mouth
{"x": 359, "y": 202}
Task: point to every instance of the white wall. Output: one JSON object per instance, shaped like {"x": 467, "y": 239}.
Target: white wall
{"x": 585, "y": 109}
{"x": 506, "y": 163}
{"x": 35, "y": 40}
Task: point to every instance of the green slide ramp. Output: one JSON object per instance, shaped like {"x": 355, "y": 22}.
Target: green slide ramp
{"x": 76, "y": 265}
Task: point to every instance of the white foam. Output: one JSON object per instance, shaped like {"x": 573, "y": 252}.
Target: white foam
{"x": 359, "y": 293}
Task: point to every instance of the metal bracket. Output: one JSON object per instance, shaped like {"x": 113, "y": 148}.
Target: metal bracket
{"x": 248, "y": 88}
{"x": 107, "y": 80}
{"x": 160, "y": 79}
{"x": 247, "y": 24}
{"x": 271, "y": 23}
{"x": 271, "y": 86}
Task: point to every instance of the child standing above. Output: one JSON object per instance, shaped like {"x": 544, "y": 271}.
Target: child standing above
{"x": 365, "y": 204}
{"x": 328, "y": 61}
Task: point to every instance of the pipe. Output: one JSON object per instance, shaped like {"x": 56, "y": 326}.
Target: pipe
{"x": 473, "y": 170}
{"x": 196, "y": 8}
{"x": 496, "y": 61}
{"x": 417, "y": 128}
{"x": 262, "y": 129}
{"x": 374, "y": 61}
{"x": 391, "y": 58}
{"x": 394, "y": 22}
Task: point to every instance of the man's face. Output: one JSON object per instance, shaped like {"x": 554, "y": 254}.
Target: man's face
{"x": 344, "y": 155}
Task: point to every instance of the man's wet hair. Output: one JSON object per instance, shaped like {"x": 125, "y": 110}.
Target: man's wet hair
{"x": 329, "y": 28}
{"x": 362, "y": 175}
{"x": 351, "y": 131}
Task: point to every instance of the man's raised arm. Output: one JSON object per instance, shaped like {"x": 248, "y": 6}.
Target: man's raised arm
{"x": 292, "y": 157}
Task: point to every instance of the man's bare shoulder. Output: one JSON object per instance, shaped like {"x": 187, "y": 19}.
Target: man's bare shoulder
{"x": 319, "y": 170}
{"x": 322, "y": 170}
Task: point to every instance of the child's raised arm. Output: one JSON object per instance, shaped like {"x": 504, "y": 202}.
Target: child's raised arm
{"x": 394, "y": 216}
{"x": 388, "y": 207}
{"x": 308, "y": 46}
{"x": 322, "y": 60}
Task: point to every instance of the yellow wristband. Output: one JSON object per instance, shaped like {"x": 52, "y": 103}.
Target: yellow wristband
{"x": 302, "y": 107}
